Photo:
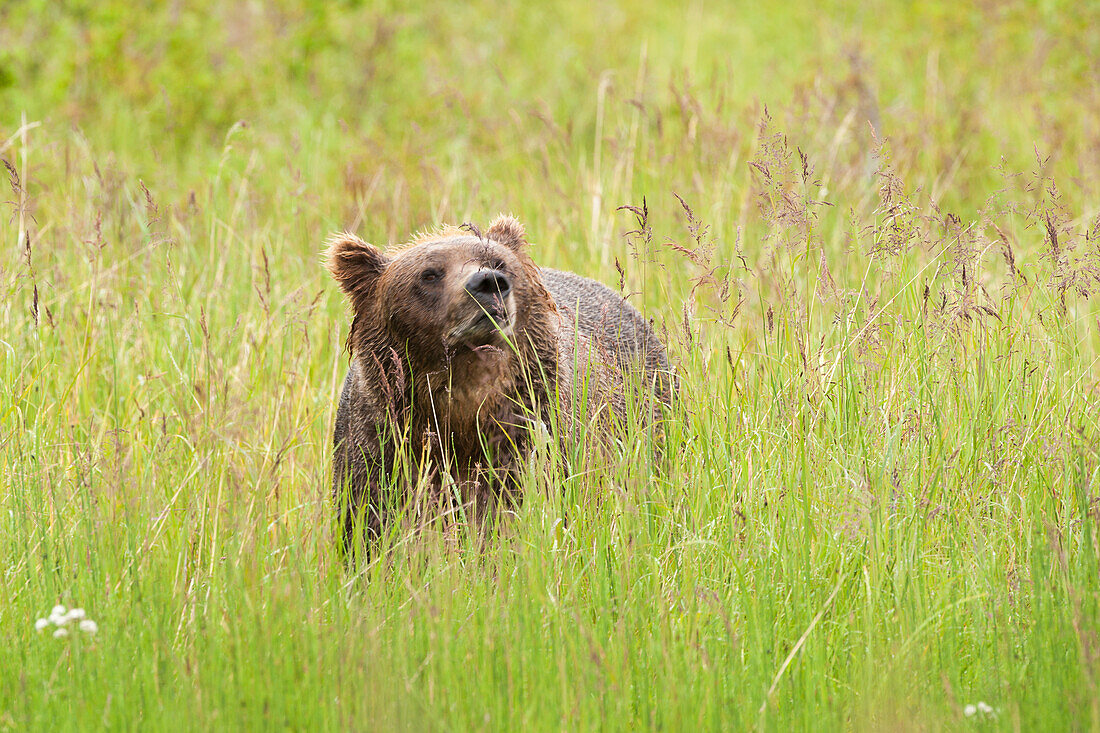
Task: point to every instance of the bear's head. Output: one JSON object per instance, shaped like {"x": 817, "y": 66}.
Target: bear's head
{"x": 443, "y": 296}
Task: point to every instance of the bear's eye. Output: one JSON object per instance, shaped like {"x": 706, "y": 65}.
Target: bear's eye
{"x": 431, "y": 275}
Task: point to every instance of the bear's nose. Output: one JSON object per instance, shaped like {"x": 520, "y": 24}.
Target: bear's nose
{"x": 487, "y": 283}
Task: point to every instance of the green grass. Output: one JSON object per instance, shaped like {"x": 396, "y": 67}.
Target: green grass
{"x": 879, "y": 506}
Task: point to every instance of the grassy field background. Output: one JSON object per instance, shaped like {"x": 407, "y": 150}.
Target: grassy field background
{"x": 871, "y": 234}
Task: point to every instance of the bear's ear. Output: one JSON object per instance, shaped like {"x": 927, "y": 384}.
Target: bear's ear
{"x": 355, "y": 264}
{"x": 508, "y": 231}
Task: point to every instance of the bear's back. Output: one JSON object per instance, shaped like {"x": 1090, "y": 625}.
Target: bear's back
{"x": 605, "y": 318}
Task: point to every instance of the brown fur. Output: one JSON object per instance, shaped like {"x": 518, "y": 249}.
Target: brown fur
{"x": 430, "y": 370}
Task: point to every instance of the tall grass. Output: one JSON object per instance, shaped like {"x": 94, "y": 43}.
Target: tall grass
{"x": 870, "y": 236}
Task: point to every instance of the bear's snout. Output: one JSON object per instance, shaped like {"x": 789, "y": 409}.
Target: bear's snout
{"x": 486, "y": 285}
{"x": 491, "y": 311}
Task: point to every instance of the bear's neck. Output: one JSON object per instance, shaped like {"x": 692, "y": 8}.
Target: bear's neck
{"x": 476, "y": 406}
{"x": 466, "y": 385}
{"x": 471, "y": 406}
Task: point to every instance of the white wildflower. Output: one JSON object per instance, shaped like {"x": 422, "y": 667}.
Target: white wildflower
{"x": 985, "y": 709}
{"x": 60, "y": 617}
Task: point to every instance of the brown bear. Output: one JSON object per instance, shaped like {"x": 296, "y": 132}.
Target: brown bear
{"x": 460, "y": 345}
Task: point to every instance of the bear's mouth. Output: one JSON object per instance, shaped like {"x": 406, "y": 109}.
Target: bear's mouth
{"x": 488, "y": 323}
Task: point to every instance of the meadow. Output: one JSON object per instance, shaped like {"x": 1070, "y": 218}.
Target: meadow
{"x": 869, "y": 232}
